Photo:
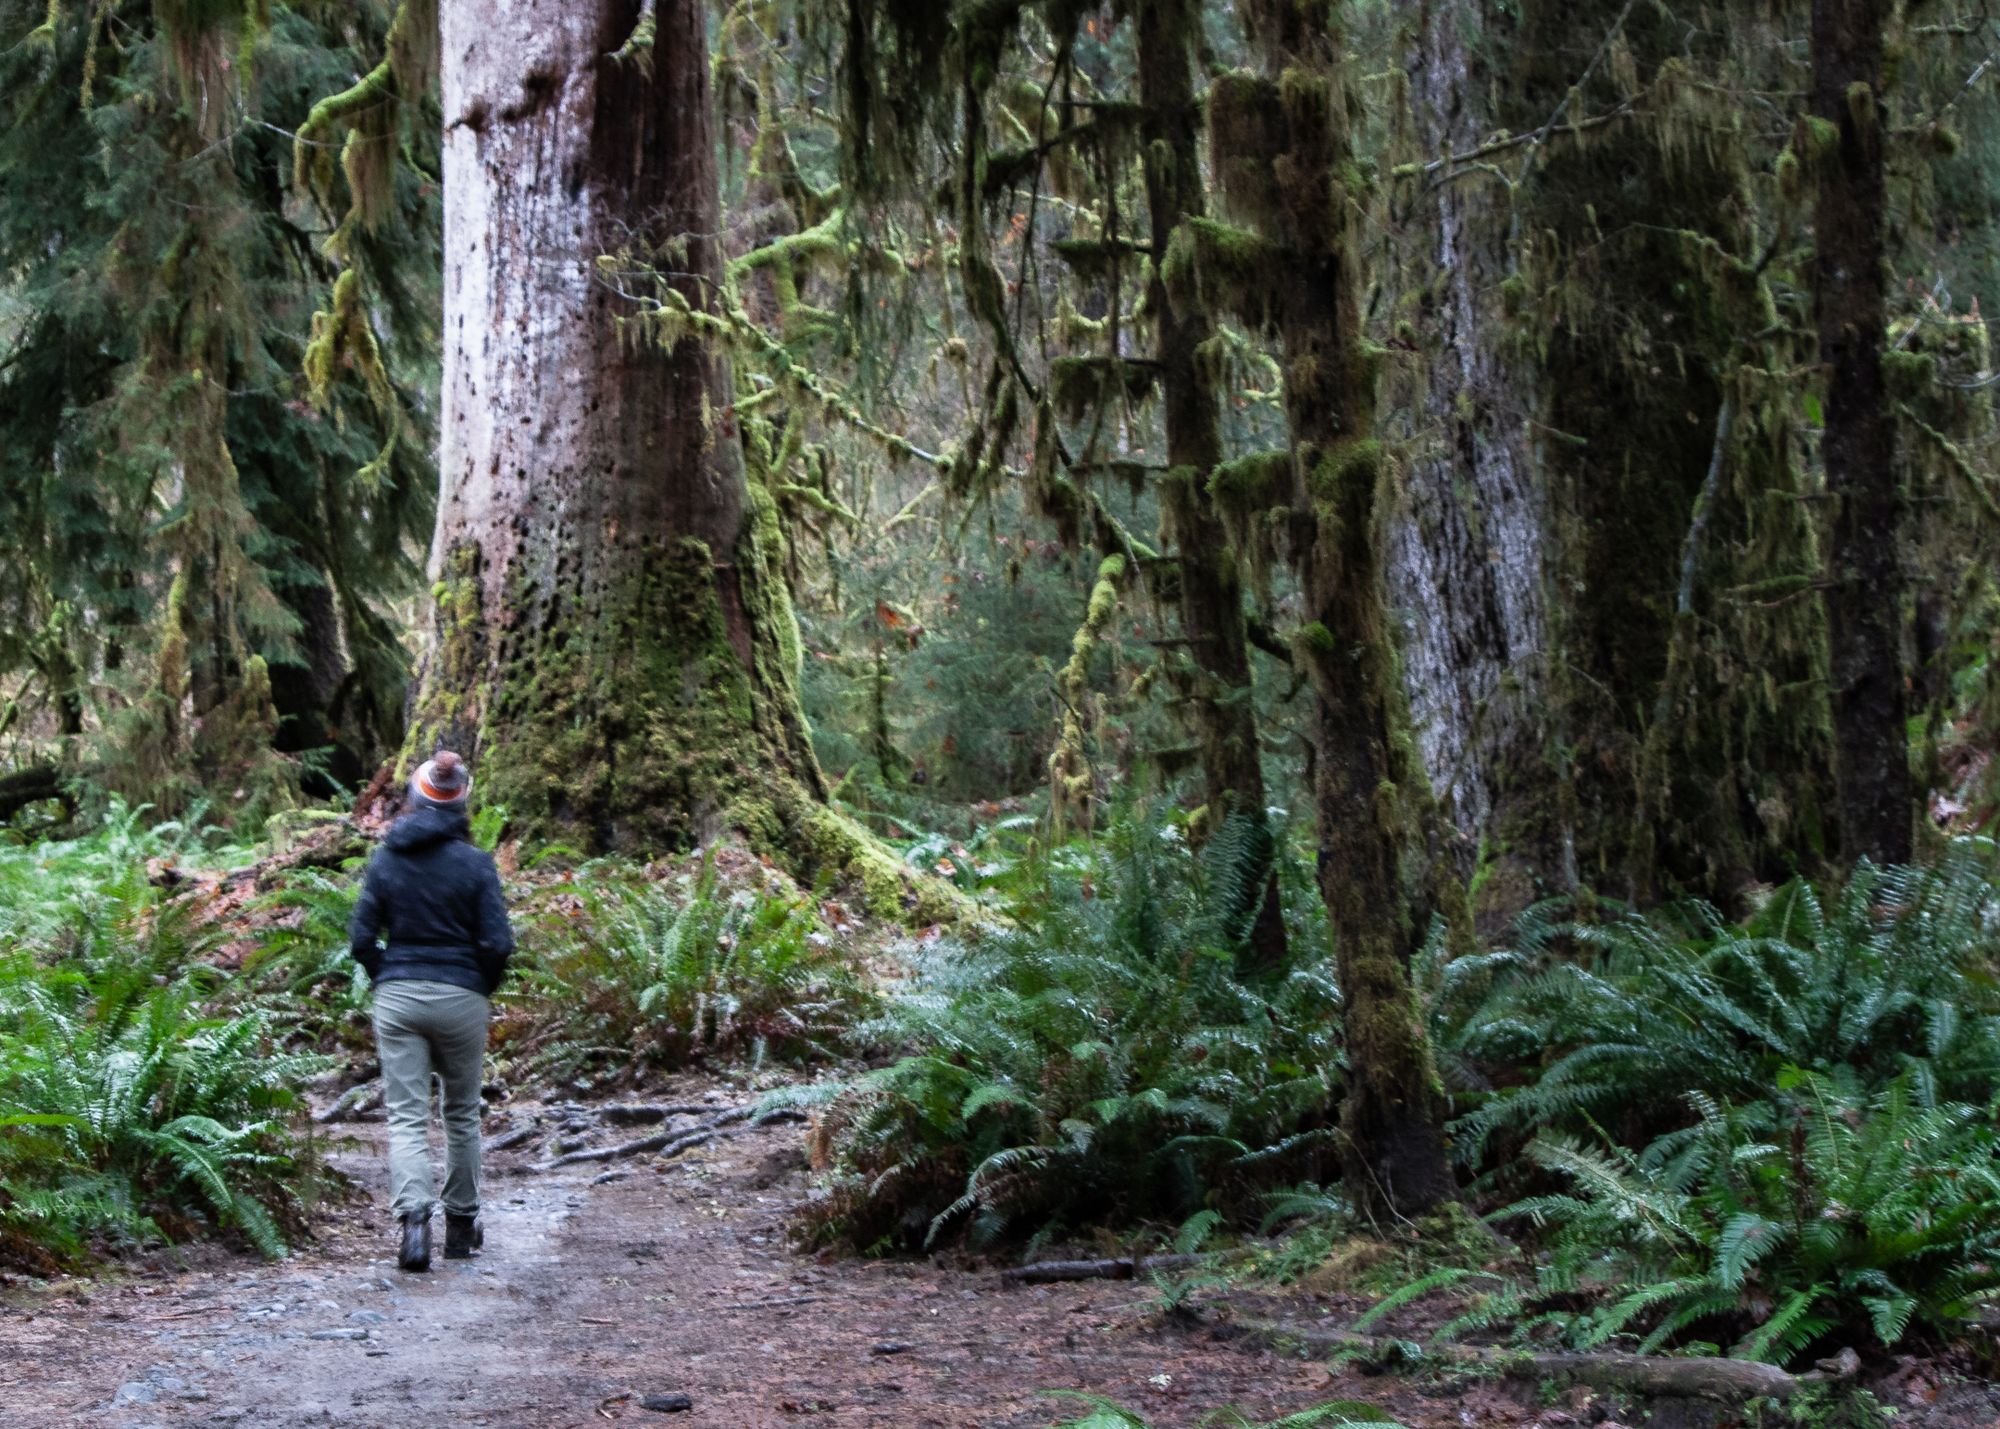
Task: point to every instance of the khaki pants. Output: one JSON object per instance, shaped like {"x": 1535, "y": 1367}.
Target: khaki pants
{"x": 421, "y": 1027}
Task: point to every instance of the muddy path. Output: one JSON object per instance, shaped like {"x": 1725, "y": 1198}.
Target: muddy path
{"x": 595, "y": 1296}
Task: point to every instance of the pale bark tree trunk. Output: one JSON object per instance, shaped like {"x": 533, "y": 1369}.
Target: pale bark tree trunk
{"x": 1466, "y": 559}
{"x": 614, "y": 646}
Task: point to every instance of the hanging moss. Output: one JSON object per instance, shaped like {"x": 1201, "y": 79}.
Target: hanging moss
{"x": 1255, "y": 483}
{"x": 1246, "y": 124}
{"x": 1350, "y": 464}
{"x": 1073, "y": 783}
{"x": 1221, "y": 268}
{"x": 1079, "y": 386}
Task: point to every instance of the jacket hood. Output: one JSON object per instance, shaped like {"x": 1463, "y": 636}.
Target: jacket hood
{"x": 428, "y": 825}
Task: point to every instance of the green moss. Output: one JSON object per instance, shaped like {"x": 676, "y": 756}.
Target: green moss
{"x": 1246, "y": 124}
{"x": 1261, "y": 481}
{"x": 1313, "y": 639}
{"x": 1217, "y": 267}
{"x": 1348, "y": 465}
{"x": 1079, "y": 386}
{"x": 1908, "y": 374}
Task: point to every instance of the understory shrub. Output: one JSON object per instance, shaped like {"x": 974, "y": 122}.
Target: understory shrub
{"x": 1098, "y": 1062}
{"x": 1761, "y": 1137}
{"x": 128, "y": 1111}
{"x": 614, "y": 970}
{"x": 1893, "y": 977}
{"x": 1763, "y": 1228}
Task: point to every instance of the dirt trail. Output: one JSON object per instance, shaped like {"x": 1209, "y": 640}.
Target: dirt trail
{"x": 674, "y": 1278}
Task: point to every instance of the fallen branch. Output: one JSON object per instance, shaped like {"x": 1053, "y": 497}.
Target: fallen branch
{"x": 1650, "y": 1376}
{"x": 1051, "y": 1272}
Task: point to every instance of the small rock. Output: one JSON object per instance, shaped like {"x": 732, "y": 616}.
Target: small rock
{"x": 667, "y": 1403}
{"x": 229, "y": 1414}
{"x": 340, "y": 1334}
{"x": 369, "y": 1317}
{"x": 890, "y": 1347}
{"x": 134, "y": 1392}
{"x": 194, "y": 1396}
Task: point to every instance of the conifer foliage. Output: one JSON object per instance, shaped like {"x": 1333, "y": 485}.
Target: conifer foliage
{"x": 202, "y": 552}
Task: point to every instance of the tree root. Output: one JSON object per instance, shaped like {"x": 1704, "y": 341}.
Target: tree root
{"x": 1646, "y": 1376}
{"x": 1051, "y": 1272}
{"x": 667, "y": 1143}
{"x": 507, "y": 1141}
{"x": 353, "y": 1103}
{"x": 644, "y": 1114}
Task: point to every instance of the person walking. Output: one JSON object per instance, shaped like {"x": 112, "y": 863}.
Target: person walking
{"x": 431, "y": 930}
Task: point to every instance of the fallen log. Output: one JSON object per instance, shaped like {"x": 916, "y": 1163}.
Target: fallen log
{"x": 33, "y": 786}
{"x": 1052, "y": 1272}
{"x": 1648, "y": 1376}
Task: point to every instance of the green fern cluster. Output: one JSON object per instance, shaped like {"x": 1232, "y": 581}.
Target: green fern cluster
{"x": 129, "y": 1109}
{"x": 300, "y": 970}
{"x": 126, "y": 1114}
{"x": 627, "y": 973}
{"x": 1890, "y": 979}
{"x": 1772, "y": 1224}
{"x": 1759, "y": 1136}
{"x": 1097, "y": 1062}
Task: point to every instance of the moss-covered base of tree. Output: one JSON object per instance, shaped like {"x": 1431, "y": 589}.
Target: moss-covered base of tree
{"x": 650, "y": 710}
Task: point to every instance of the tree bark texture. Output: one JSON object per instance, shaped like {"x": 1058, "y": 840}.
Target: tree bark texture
{"x": 614, "y": 647}
{"x": 1369, "y": 792}
{"x": 1864, "y": 596}
{"x": 1467, "y": 548}
{"x": 1208, "y": 568}
{"x": 1691, "y": 731}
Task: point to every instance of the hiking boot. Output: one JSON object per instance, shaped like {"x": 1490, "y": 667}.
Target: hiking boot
{"x": 415, "y": 1253}
{"x": 462, "y": 1236}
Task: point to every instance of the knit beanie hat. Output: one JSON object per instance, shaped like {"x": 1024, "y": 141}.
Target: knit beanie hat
{"x": 442, "y": 779}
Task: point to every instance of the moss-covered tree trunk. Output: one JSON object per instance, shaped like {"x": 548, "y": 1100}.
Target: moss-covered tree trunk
{"x": 1864, "y": 595}
{"x": 1296, "y": 177}
{"x": 1207, "y": 567}
{"x": 614, "y": 646}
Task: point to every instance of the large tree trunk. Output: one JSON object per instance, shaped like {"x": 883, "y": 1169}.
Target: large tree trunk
{"x": 1466, "y": 559}
{"x": 1373, "y": 806}
{"x": 1207, "y": 565}
{"x": 1689, "y": 720}
{"x": 614, "y": 647}
{"x": 1864, "y": 597}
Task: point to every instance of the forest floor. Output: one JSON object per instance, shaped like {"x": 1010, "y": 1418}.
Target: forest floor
{"x": 673, "y": 1278}
{"x": 667, "y": 1278}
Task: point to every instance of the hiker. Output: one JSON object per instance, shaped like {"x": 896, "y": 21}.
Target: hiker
{"x": 433, "y": 900}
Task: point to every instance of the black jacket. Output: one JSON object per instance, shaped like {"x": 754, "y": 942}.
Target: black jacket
{"x": 434, "y": 899}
